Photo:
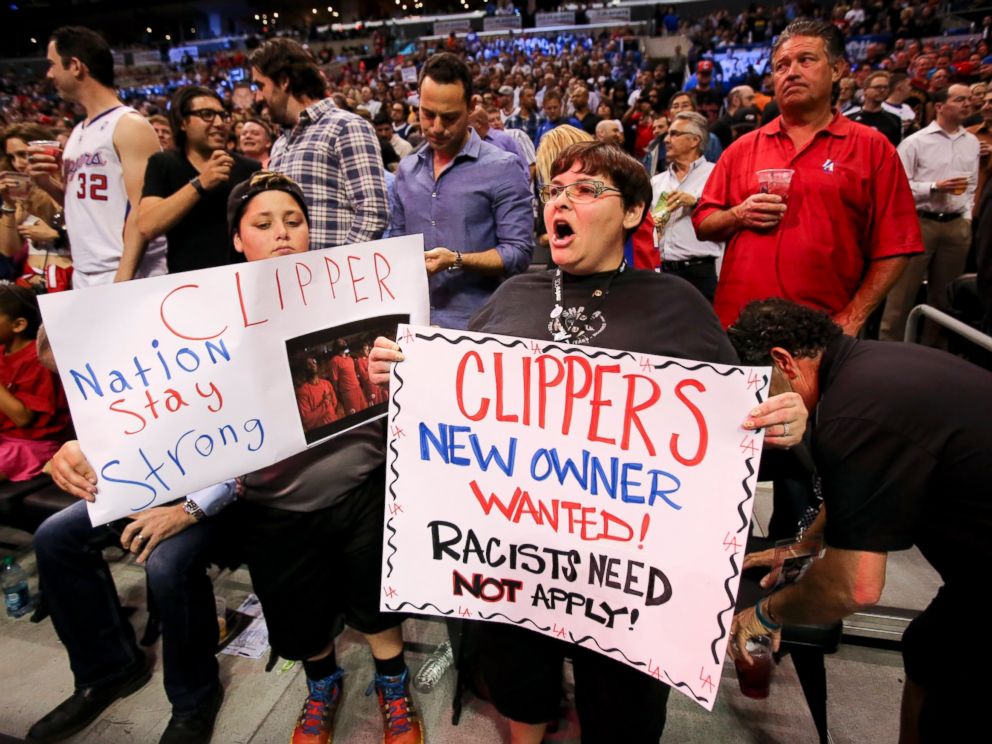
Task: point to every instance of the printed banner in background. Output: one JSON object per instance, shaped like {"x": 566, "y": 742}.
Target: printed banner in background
{"x": 178, "y": 382}
{"x": 595, "y": 496}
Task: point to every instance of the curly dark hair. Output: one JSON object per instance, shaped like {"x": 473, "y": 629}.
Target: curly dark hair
{"x": 765, "y": 324}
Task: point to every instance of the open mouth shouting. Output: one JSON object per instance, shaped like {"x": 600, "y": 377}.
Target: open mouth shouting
{"x": 562, "y": 233}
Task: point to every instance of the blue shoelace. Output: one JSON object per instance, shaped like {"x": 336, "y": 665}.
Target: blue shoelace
{"x": 395, "y": 703}
{"x": 322, "y": 693}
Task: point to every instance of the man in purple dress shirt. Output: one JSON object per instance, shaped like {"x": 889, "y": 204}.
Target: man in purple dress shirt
{"x": 470, "y": 199}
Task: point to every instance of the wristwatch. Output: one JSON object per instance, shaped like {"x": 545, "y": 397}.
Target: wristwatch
{"x": 195, "y": 183}
{"x": 193, "y": 510}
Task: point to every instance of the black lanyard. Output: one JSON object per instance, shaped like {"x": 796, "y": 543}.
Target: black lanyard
{"x": 599, "y": 295}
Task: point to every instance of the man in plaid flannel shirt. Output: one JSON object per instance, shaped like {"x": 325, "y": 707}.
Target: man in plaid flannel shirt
{"x": 331, "y": 153}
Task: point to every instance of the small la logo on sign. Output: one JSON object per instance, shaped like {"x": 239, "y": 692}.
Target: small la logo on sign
{"x": 828, "y": 166}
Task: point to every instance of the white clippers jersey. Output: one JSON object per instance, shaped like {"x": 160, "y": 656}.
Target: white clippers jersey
{"x": 96, "y": 203}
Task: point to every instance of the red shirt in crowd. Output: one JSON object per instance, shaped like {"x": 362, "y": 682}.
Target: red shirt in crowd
{"x": 38, "y": 389}
{"x": 849, "y": 203}
{"x": 346, "y": 379}
{"x": 318, "y": 403}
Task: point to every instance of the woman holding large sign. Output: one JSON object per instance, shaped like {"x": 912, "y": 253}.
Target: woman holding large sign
{"x": 309, "y": 527}
{"x": 597, "y": 195}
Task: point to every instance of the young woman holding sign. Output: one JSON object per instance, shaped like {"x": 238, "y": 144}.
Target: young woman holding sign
{"x": 309, "y": 527}
{"x": 596, "y": 197}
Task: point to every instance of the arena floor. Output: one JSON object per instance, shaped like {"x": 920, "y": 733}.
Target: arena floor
{"x": 864, "y": 684}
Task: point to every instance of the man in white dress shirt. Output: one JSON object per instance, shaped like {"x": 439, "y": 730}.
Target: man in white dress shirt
{"x": 674, "y": 196}
{"x": 941, "y": 161}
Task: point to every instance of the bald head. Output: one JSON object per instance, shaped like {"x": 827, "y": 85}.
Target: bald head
{"x": 611, "y": 131}
{"x": 740, "y": 97}
{"x": 479, "y": 121}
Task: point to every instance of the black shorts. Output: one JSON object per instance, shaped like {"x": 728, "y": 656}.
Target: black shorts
{"x": 522, "y": 670}
{"x": 310, "y": 569}
{"x": 943, "y": 657}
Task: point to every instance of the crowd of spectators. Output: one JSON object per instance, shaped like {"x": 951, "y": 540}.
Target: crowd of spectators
{"x": 391, "y": 145}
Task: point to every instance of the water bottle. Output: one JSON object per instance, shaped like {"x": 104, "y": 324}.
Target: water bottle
{"x": 16, "y": 595}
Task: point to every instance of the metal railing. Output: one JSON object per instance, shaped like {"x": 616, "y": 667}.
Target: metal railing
{"x": 943, "y": 319}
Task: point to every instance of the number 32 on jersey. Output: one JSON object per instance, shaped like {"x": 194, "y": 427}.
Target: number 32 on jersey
{"x": 92, "y": 186}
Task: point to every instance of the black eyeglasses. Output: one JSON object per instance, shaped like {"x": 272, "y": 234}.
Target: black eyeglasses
{"x": 207, "y": 115}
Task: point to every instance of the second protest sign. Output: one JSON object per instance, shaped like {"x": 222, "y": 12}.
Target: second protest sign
{"x": 595, "y": 496}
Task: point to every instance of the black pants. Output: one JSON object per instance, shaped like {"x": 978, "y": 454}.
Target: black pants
{"x": 310, "y": 570}
{"x": 702, "y": 276}
{"x": 615, "y": 703}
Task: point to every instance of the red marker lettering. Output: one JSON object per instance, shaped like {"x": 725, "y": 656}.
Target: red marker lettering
{"x": 167, "y": 324}
{"x": 700, "y": 423}
{"x": 460, "y": 387}
{"x": 355, "y": 279}
{"x": 378, "y": 261}
{"x": 597, "y": 402}
{"x": 241, "y": 302}
{"x": 299, "y": 280}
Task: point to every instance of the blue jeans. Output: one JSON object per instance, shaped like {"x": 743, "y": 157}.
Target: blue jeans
{"x": 82, "y": 598}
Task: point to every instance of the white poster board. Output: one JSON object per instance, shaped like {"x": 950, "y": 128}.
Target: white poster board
{"x": 596, "y": 496}
{"x": 178, "y": 382}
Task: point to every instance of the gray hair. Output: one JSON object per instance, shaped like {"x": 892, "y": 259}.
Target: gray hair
{"x": 833, "y": 39}
{"x": 696, "y": 124}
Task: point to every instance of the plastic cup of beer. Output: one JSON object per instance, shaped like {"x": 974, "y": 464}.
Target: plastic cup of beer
{"x": 755, "y": 678}
{"x": 52, "y": 148}
{"x": 963, "y": 180}
{"x": 18, "y": 184}
{"x": 775, "y": 181}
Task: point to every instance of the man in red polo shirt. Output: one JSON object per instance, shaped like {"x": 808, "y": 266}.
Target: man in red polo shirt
{"x": 842, "y": 237}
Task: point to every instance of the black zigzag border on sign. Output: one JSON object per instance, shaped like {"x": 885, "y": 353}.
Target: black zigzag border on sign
{"x": 583, "y": 639}
{"x": 722, "y": 635}
{"x": 422, "y": 607}
{"x": 524, "y": 621}
{"x": 454, "y": 341}
{"x": 701, "y": 365}
{"x": 392, "y": 467}
{"x": 764, "y": 384}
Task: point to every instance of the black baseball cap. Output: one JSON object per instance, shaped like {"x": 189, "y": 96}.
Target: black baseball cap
{"x": 260, "y": 182}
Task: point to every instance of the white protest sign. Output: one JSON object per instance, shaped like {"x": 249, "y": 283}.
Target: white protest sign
{"x": 181, "y": 381}
{"x": 596, "y": 496}
{"x": 409, "y": 74}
